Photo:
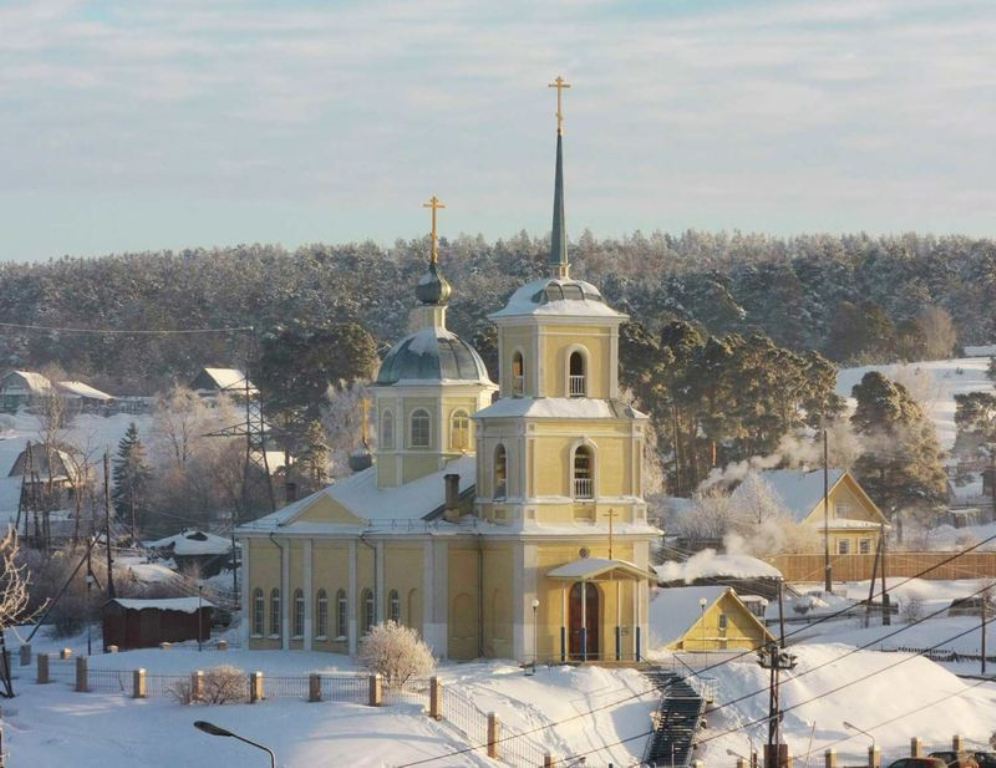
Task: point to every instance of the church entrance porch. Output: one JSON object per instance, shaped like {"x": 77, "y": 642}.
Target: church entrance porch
{"x": 593, "y": 591}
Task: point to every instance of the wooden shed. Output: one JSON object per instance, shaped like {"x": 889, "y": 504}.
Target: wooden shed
{"x": 136, "y": 623}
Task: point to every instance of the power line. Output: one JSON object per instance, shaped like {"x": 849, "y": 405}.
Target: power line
{"x": 118, "y": 331}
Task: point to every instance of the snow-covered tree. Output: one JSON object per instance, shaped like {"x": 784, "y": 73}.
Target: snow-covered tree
{"x": 396, "y": 652}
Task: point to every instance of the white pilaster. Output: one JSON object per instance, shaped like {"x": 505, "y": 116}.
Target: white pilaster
{"x": 309, "y": 598}
{"x": 379, "y": 595}
{"x": 285, "y": 595}
{"x": 430, "y": 627}
{"x": 351, "y": 597}
{"x": 441, "y": 597}
{"x": 523, "y": 631}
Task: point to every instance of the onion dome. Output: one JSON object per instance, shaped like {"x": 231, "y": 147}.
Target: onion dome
{"x": 432, "y": 355}
{"x": 432, "y": 288}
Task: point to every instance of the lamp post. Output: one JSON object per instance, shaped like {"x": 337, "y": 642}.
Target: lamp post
{"x": 702, "y": 606}
{"x": 89, "y": 618}
{"x": 853, "y": 727}
{"x": 536, "y": 605}
{"x": 200, "y": 616}
{"x": 216, "y": 730}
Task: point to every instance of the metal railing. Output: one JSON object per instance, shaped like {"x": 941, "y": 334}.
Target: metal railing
{"x": 465, "y": 716}
{"x": 576, "y": 385}
{"x": 346, "y": 688}
{"x": 584, "y": 488}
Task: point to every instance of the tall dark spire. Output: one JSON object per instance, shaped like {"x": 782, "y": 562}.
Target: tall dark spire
{"x": 558, "y": 233}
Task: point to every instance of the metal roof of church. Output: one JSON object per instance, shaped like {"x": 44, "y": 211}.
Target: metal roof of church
{"x": 432, "y": 355}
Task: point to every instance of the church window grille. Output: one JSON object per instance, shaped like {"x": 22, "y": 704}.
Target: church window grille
{"x": 387, "y": 431}
{"x": 421, "y": 433}
{"x": 518, "y": 374}
{"x": 369, "y": 616}
{"x": 298, "y": 624}
{"x": 460, "y": 431}
{"x": 322, "y": 614}
{"x": 501, "y": 472}
{"x": 275, "y": 612}
{"x": 258, "y": 609}
{"x": 584, "y": 474}
{"x": 394, "y": 606}
{"x": 342, "y": 615}
{"x": 577, "y": 383}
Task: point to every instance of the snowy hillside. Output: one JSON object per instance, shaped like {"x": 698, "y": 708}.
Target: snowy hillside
{"x": 933, "y": 383}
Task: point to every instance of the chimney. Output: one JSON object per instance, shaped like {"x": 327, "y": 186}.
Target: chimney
{"x": 451, "y": 512}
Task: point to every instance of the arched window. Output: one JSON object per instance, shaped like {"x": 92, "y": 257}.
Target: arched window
{"x": 322, "y": 615}
{"x": 460, "y": 431}
{"x": 369, "y": 616}
{"x": 387, "y": 430}
{"x": 584, "y": 473}
{"x": 341, "y": 615}
{"x": 501, "y": 472}
{"x": 275, "y": 612}
{"x": 518, "y": 373}
{"x": 298, "y": 622}
{"x": 576, "y": 381}
{"x": 394, "y": 606}
{"x": 258, "y": 609}
{"x": 421, "y": 434}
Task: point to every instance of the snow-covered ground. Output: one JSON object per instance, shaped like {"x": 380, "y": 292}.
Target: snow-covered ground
{"x": 934, "y": 383}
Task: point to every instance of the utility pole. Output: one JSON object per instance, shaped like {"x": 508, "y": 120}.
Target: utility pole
{"x": 775, "y": 659}
{"x": 107, "y": 525}
{"x": 827, "y": 569}
{"x": 985, "y": 599}
{"x": 886, "y": 612}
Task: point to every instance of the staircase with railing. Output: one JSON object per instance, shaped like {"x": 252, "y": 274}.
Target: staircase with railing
{"x": 671, "y": 745}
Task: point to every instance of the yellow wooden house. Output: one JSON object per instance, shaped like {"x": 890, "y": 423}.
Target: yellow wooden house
{"x": 853, "y": 521}
{"x": 499, "y": 520}
{"x": 704, "y": 619}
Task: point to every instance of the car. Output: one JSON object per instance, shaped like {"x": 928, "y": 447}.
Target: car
{"x": 919, "y": 762}
{"x": 956, "y": 759}
{"x": 986, "y": 759}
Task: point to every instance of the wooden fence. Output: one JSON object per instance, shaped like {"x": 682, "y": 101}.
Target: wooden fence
{"x": 941, "y": 565}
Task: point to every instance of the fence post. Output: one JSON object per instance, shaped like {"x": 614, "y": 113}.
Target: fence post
{"x": 956, "y": 743}
{"x": 549, "y": 761}
{"x": 139, "y": 687}
{"x": 741, "y": 763}
{"x": 255, "y": 687}
{"x": 916, "y": 747}
{"x": 830, "y": 759}
{"x": 376, "y": 690}
{"x": 26, "y": 655}
{"x": 222, "y": 645}
{"x": 494, "y": 735}
{"x": 874, "y": 757}
{"x": 197, "y": 685}
{"x": 314, "y": 687}
{"x": 81, "y": 674}
{"x": 435, "y": 699}
{"x": 113, "y": 649}
{"x": 42, "y": 676}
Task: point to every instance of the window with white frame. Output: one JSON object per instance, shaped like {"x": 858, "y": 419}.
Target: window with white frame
{"x": 421, "y": 429}
{"x": 518, "y": 373}
{"x": 298, "y": 623}
{"x": 460, "y": 431}
{"x": 387, "y": 430}
{"x": 258, "y": 609}
{"x": 843, "y": 547}
{"x": 865, "y": 546}
{"x": 342, "y": 615}
{"x": 322, "y": 614}
{"x": 369, "y": 614}
{"x": 584, "y": 473}
{"x": 394, "y": 606}
{"x": 577, "y": 385}
{"x": 275, "y": 612}
{"x": 500, "y": 473}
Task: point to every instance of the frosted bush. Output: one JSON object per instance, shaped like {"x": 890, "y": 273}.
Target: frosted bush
{"x": 397, "y": 653}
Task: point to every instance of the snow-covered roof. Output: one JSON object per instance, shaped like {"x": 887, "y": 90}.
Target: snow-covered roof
{"x": 674, "y": 610}
{"x": 708, "y": 564}
{"x": 361, "y": 496}
{"x": 558, "y": 408}
{"x": 987, "y": 350}
{"x": 553, "y": 297}
{"x": 64, "y": 466}
{"x": 81, "y": 389}
{"x": 799, "y": 491}
{"x": 432, "y": 355}
{"x": 224, "y": 379}
{"x": 33, "y": 382}
{"x": 592, "y": 567}
{"x": 181, "y": 604}
{"x": 149, "y": 573}
{"x": 192, "y": 542}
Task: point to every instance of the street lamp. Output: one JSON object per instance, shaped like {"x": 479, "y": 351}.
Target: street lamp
{"x": 536, "y": 605}
{"x": 855, "y": 728}
{"x": 216, "y": 730}
{"x": 702, "y": 606}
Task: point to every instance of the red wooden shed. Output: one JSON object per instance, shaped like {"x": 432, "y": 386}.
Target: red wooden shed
{"x": 132, "y": 623}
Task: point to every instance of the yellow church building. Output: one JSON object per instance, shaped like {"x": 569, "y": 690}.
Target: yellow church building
{"x": 499, "y": 520}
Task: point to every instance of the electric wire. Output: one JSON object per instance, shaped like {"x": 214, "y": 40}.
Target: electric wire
{"x": 120, "y": 332}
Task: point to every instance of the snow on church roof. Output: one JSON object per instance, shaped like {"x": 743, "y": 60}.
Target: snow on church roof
{"x": 552, "y": 297}
{"x": 558, "y": 408}
{"x": 376, "y": 506}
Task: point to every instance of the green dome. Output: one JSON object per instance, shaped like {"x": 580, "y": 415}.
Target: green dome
{"x": 432, "y": 355}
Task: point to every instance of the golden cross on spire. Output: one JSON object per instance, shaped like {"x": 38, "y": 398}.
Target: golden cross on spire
{"x": 435, "y": 204}
{"x": 559, "y": 84}
{"x": 611, "y": 514}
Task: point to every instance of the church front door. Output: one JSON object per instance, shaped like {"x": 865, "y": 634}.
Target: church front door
{"x": 584, "y": 607}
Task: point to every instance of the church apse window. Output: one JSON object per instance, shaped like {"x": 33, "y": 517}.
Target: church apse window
{"x": 322, "y": 614}
{"x": 342, "y": 615}
{"x": 518, "y": 374}
{"x": 275, "y": 612}
{"x": 584, "y": 473}
{"x": 387, "y": 431}
{"x": 258, "y": 608}
{"x": 394, "y": 606}
{"x": 577, "y": 384}
{"x": 501, "y": 473}
{"x": 421, "y": 433}
{"x": 460, "y": 431}
{"x": 369, "y": 615}
{"x": 298, "y": 623}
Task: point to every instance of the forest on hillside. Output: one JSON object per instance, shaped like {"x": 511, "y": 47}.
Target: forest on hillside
{"x": 854, "y": 298}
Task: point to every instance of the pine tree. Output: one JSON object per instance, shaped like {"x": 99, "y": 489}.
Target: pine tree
{"x": 313, "y": 460}
{"x": 901, "y": 464}
{"x": 131, "y": 479}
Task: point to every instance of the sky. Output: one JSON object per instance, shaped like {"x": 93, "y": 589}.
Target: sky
{"x": 163, "y": 125}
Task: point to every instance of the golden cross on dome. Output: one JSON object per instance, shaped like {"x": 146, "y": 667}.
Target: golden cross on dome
{"x": 559, "y": 84}
{"x": 435, "y": 204}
